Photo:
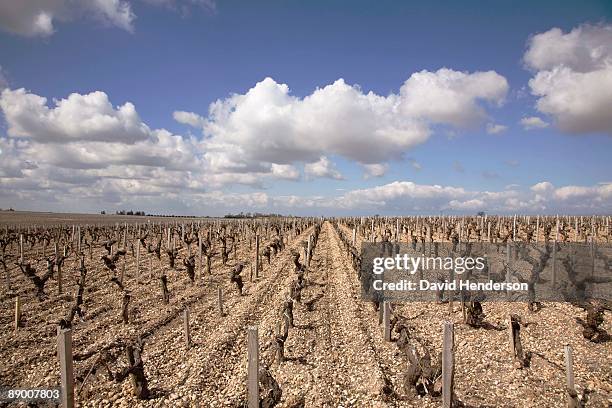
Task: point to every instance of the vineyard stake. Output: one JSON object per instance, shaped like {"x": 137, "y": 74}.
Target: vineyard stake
{"x": 387, "y": 321}
{"x": 569, "y": 377}
{"x": 200, "y": 255}
{"x": 511, "y": 337}
{"x": 17, "y": 312}
{"x": 21, "y": 248}
{"x": 308, "y": 251}
{"x": 554, "y": 264}
{"x": 508, "y": 268}
{"x": 451, "y": 293}
{"x": 220, "y": 300}
{"x": 448, "y": 366}
{"x": 253, "y": 367}
{"x": 64, "y": 352}
{"x": 186, "y": 327}
{"x": 138, "y": 259}
{"x": 256, "y": 256}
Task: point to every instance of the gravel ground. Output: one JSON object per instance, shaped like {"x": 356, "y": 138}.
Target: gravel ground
{"x": 336, "y": 355}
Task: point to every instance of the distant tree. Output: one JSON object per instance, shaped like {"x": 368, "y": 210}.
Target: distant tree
{"x": 102, "y": 212}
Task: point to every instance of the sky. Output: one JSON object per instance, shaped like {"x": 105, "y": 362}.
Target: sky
{"x": 202, "y": 107}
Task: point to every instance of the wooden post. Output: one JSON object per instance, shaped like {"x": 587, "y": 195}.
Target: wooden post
{"x": 448, "y": 366}
{"x": 256, "y": 256}
{"x": 64, "y": 353}
{"x": 200, "y": 255}
{"x": 511, "y": 344}
{"x": 569, "y": 377}
{"x": 20, "y": 248}
{"x": 554, "y": 264}
{"x": 253, "y": 367}
{"x": 17, "y": 312}
{"x": 451, "y": 293}
{"x": 220, "y": 300}
{"x": 138, "y": 259}
{"x": 576, "y": 236}
{"x": 186, "y": 327}
{"x": 309, "y": 250}
{"x": 386, "y": 321}
{"x": 508, "y": 266}
{"x": 372, "y": 231}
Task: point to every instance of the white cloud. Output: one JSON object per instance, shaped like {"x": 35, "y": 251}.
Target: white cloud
{"x": 402, "y": 197}
{"x": 285, "y": 171}
{"x": 469, "y": 205}
{"x": 78, "y": 117}
{"x": 573, "y": 79}
{"x": 600, "y": 192}
{"x": 542, "y": 187}
{"x": 375, "y": 170}
{"x": 268, "y": 124}
{"x": 494, "y": 128}
{"x": 322, "y": 168}
{"x": 583, "y": 49}
{"x": 36, "y": 17}
{"x": 189, "y": 118}
{"x": 451, "y": 97}
{"x": 533, "y": 122}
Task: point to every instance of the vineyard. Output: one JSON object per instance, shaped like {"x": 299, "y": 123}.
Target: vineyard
{"x": 269, "y": 312}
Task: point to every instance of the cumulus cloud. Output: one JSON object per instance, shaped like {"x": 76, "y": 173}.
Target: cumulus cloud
{"x": 573, "y": 77}
{"x": 36, "y": 17}
{"x": 285, "y": 171}
{"x": 189, "y": 118}
{"x": 79, "y": 117}
{"x": 452, "y": 97}
{"x": 407, "y": 197}
{"x": 494, "y": 128}
{"x": 400, "y": 195}
{"x": 468, "y": 205}
{"x": 374, "y": 170}
{"x": 268, "y": 124}
{"x": 84, "y": 149}
{"x": 542, "y": 187}
{"x": 600, "y": 192}
{"x": 533, "y": 122}
{"x": 322, "y": 168}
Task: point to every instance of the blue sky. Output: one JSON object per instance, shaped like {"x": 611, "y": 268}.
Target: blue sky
{"x": 165, "y": 56}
